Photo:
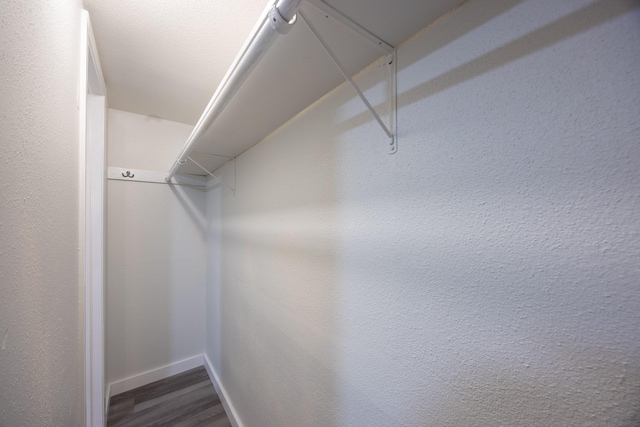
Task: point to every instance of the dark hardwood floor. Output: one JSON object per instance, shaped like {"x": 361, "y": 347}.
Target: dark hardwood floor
{"x": 183, "y": 400}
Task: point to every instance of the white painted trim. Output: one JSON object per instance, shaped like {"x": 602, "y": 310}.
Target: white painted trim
{"x": 92, "y": 154}
{"x": 82, "y": 208}
{"x": 97, "y": 86}
{"x": 156, "y": 177}
{"x": 232, "y": 414}
{"x": 148, "y": 377}
{"x": 95, "y": 246}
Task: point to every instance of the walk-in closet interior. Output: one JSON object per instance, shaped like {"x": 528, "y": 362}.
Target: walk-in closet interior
{"x": 373, "y": 213}
{"x": 328, "y": 279}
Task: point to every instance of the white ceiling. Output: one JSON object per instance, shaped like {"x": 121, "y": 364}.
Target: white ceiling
{"x": 165, "y": 58}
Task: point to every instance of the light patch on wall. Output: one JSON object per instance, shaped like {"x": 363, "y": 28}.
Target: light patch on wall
{"x": 4, "y": 339}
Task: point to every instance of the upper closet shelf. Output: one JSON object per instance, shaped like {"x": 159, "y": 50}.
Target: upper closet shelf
{"x": 322, "y": 47}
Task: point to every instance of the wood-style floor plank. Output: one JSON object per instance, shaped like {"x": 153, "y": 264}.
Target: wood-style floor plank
{"x": 206, "y": 418}
{"x": 185, "y": 400}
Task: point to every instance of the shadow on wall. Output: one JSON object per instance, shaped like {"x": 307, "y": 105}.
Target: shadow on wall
{"x": 155, "y": 287}
{"x": 580, "y": 21}
{"x": 188, "y": 275}
{"x": 273, "y": 295}
{"x": 191, "y": 202}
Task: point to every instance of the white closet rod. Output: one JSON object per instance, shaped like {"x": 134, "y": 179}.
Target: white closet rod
{"x": 276, "y": 19}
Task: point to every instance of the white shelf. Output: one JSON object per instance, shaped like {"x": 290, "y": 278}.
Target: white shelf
{"x": 296, "y": 72}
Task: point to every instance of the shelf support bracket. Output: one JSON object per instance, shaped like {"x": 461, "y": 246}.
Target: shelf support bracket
{"x": 348, "y": 23}
{"x": 392, "y": 67}
{"x": 220, "y": 180}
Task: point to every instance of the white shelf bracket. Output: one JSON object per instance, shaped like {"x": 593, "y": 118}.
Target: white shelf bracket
{"x": 346, "y": 22}
{"x": 220, "y": 180}
{"x": 391, "y": 65}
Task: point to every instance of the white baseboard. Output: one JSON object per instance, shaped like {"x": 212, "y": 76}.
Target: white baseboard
{"x": 148, "y": 377}
{"x": 226, "y": 403}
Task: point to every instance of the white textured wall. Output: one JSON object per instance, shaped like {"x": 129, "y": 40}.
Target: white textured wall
{"x": 41, "y": 323}
{"x": 488, "y": 274}
{"x": 155, "y": 252}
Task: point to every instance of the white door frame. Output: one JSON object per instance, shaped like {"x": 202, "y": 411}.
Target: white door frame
{"x": 92, "y": 157}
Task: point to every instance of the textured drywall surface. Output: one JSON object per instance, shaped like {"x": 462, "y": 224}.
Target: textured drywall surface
{"x": 486, "y": 275}
{"x": 41, "y": 338}
{"x": 155, "y": 253}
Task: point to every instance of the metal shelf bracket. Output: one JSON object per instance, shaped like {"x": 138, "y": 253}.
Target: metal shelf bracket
{"x": 392, "y": 68}
{"x": 220, "y": 180}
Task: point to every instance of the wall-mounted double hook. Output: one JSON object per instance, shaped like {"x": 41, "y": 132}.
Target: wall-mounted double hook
{"x": 128, "y": 174}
